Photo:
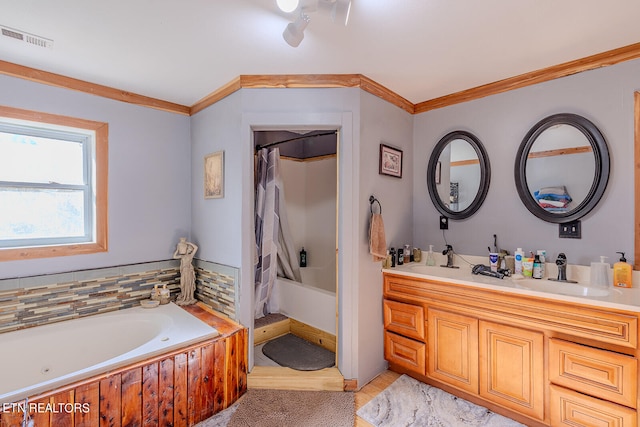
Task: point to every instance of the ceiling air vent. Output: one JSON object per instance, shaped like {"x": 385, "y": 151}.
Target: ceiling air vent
{"x": 26, "y": 37}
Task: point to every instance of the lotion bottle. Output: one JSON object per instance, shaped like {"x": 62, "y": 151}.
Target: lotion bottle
{"x": 622, "y": 273}
{"x": 430, "y": 257}
{"x": 518, "y": 256}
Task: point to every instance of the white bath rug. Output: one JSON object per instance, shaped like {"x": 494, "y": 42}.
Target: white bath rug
{"x": 409, "y": 402}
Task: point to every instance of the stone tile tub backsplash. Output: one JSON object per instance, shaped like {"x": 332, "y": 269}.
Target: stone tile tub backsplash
{"x": 38, "y": 300}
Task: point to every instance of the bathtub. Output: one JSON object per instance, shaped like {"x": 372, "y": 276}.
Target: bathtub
{"x": 39, "y": 359}
{"x": 310, "y": 302}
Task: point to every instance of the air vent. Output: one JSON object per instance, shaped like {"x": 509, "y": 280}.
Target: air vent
{"x": 26, "y": 37}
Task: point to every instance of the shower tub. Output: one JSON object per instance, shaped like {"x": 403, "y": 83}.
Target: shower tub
{"x": 312, "y": 302}
{"x": 47, "y": 357}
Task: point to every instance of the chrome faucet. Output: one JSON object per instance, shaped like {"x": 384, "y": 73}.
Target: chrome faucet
{"x": 561, "y": 262}
{"x": 449, "y": 253}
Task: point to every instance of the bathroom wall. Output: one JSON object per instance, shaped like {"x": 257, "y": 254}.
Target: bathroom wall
{"x": 380, "y": 122}
{"x": 604, "y": 96}
{"x": 149, "y": 170}
{"x": 310, "y": 194}
{"x": 224, "y": 227}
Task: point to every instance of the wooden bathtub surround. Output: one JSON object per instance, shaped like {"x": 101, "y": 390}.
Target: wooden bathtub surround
{"x": 180, "y": 388}
{"x": 281, "y": 378}
{"x": 540, "y": 361}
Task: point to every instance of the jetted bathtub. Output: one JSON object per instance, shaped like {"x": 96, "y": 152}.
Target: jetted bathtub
{"x": 41, "y": 358}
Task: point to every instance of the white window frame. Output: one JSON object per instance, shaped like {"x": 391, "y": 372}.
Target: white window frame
{"x": 94, "y": 137}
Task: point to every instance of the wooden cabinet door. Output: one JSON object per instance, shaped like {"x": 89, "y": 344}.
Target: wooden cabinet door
{"x": 452, "y": 349}
{"x": 404, "y": 319}
{"x": 404, "y": 352}
{"x": 512, "y": 368}
{"x": 572, "y": 409}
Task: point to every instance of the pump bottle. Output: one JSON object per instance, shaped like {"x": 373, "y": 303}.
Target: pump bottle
{"x": 622, "y": 273}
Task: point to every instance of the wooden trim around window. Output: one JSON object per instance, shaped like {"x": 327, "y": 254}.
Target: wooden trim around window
{"x": 102, "y": 166}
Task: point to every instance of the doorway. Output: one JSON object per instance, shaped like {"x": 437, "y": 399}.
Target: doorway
{"x": 305, "y": 308}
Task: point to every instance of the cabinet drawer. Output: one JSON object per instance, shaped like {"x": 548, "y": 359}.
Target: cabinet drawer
{"x": 569, "y": 408}
{"x": 600, "y": 373}
{"x": 405, "y": 319}
{"x": 405, "y": 352}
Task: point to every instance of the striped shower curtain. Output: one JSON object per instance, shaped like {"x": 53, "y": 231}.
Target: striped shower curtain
{"x": 275, "y": 253}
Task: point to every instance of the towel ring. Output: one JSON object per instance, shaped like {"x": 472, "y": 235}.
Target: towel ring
{"x": 373, "y": 200}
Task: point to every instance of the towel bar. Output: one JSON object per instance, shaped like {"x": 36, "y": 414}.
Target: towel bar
{"x": 373, "y": 200}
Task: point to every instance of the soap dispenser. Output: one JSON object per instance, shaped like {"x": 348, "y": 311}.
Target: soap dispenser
{"x": 622, "y": 273}
{"x": 431, "y": 261}
{"x": 599, "y": 276}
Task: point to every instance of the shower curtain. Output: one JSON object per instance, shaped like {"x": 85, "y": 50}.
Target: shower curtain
{"x": 275, "y": 252}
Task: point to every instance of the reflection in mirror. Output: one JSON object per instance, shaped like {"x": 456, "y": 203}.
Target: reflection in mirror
{"x": 562, "y": 168}
{"x": 458, "y": 175}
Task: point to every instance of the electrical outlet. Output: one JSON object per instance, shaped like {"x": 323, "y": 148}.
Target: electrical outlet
{"x": 570, "y": 230}
{"x": 444, "y": 223}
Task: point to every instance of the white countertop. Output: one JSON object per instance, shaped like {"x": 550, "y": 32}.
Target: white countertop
{"x": 611, "y": 297}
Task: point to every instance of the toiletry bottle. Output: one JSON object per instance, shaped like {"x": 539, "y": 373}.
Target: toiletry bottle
{"x": 543, "y": 260}
{"x": 519, "y": 256}
{"x": 527, "y": 266}
{"x": 303, "y": 258}
{"x": 407, "y": 254}
{"x": 599, "y": 273}
{"x": 387, "y": 260}
{"x": 431, "y": 260}
{"x": 417, "y": 254}
{"x": 537, "y": 269}
{"x": 392, "y": 252}
{"x": 155, "y": 293}
{"x": 400, "y": 256}
{"x": 622, "y": 273}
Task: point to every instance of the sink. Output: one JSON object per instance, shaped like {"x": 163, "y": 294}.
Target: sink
{"x": 572, "y": 289}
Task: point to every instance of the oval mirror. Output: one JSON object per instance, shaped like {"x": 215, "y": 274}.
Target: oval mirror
{"x": 458, "y": 175}
{"x": 562, "y": 168}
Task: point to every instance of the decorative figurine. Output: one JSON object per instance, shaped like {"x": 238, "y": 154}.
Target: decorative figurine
{"x": 185, "y": 251}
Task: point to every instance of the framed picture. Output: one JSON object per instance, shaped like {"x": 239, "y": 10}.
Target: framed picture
{"x": 390, "y": 161}
{"x": 214, "y": 175}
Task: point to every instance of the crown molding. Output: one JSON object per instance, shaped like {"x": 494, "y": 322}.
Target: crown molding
{"x": 58, "y": 80}
{"x": 592, "y": 62}
{"x": 366, "y": 84}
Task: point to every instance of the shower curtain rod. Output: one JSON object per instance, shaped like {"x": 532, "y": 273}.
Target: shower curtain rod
{"x": 271, "y": 144}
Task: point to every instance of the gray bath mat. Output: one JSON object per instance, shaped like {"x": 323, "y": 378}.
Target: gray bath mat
{"x": 296, "y": 353}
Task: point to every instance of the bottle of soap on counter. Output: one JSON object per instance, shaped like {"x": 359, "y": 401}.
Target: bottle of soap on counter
{"x": 542, "y": 254}
{"x": 431, "y": 260}
{"x": 622, "y": 273}
{"x": 527, "y": 266}
{"x": 537, "y": 269}
{"x": 407, "y": 254}
{"x": 392, "y": 252}
{"x": 518, "y": 258}
{"x": 400, "y": 256}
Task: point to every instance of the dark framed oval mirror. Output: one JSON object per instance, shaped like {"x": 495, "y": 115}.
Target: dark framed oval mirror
{"x": 458, "y": 175}
{"x": 562, "y": 168}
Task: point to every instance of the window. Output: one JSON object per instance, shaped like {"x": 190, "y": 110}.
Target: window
{"x": 53, "y": 185}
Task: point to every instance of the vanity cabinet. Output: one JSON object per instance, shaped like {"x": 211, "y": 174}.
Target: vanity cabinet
{"x": 540, "y": 361}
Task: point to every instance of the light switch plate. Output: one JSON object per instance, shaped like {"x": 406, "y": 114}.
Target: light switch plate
{"x": 570, "y": 230}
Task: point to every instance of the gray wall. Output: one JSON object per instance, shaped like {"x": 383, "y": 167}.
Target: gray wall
{"x": 380, "y": 122}
{"x": 224, "y": 227}
{"x": 149, "y": 172}
{"x": 604, "y": 96}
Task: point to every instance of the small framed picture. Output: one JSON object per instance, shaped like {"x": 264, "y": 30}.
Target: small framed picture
{"x": 214, "y": 175}
{"x": 390, "y": 161}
